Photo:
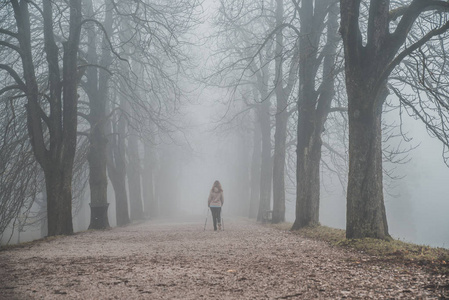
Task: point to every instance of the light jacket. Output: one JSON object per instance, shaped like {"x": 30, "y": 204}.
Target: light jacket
{"x": 216, "y": 198}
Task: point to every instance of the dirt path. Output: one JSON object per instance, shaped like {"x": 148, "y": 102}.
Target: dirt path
{"x": 157, "y": 260}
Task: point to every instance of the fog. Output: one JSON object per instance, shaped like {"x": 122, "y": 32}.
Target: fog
{"x": 213, "y": 141}
{"x": 416, "y": 204}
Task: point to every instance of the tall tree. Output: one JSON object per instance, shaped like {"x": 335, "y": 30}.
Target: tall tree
{"x": 316, "y": 91}
{"x": 151, "y": 37}
{"x": 116, "y": 163}
{"x": 134, "y": 177}
{"x": 283, "y": 88}
{"x": 241, "y": 25}
{"x": 264, "y": 118}
{"x": 371, "y": 53}
{"x": 255, "y": 172}
{"x": 97, "y": 88}
{"x": 149, "y": 197}
{"x": 52, "y": 106}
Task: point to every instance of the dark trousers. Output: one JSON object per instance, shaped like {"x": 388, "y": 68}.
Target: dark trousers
{"x": 216, "y": 216}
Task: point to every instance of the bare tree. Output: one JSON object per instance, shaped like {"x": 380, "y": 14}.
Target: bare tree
{"x": 116, "y": 161}
{"x": 372, "y": 51}
{"x": 283, "y": 89}
{"x": 50, "y": 89}
{"x": 96, "y": 87}
{"x": 246, "y": 60}
{"x": 316, "y": 93}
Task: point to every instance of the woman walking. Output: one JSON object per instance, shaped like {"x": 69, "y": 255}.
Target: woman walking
{"x": 215, "y": 202}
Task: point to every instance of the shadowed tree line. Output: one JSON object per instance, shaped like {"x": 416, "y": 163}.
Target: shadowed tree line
{"x": 94, "y": 86}
{"x": 94, "y": 73}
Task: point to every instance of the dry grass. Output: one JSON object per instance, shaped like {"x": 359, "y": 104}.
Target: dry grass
{"x": 435, "y": 259}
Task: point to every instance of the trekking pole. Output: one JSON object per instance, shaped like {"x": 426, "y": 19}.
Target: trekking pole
{"x": 207, "y": 214}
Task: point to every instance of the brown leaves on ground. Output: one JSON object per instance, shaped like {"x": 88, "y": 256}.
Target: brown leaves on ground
{"x": 157, "y": 260}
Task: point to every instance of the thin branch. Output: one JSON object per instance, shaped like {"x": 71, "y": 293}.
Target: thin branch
{"x": 15, "y": 76}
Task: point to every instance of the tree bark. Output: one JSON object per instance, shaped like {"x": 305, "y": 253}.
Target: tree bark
{"x": 55, "y": 155}
{"x": 368, "y": 65}
{"x": 255, "y": 172}
{"x": 283, "y": 89}
{"x": 266, "y": 171}
{"x": 308, "y": 140}
{"x": 149, "y": 199}
{"x": 134, "y": 184}
{"x": 367, "y": 71}
{"x": 59, "y": 201}
{"x": 365, "y": 215}
{"x": 242, "y": 177}
{"x": 313, "y": 105}
{"x": 97, "y": 90}
{"x": 118, "y": 181}
{"x": 116, "y": 166}
{"x": 98, "y": 180}
{"x": 280, "y": 137}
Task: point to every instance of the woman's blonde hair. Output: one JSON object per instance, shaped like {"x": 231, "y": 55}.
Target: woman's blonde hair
{"x": 217, "y": 184}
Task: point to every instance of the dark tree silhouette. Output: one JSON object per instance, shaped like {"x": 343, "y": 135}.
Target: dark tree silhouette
{"x": 371, "y": 53}
{"x": 51, "y": 95}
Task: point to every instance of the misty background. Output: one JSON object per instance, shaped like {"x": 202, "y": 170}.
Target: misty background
{"x": 417, "y": 206}
{"x": 214, "y": 142}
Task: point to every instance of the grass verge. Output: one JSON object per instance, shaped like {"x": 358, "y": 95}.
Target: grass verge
{"x": 434, "y": 259}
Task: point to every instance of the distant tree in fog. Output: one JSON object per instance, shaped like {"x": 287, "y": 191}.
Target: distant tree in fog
{"x": 116, "y": 163}
{"x": 284, "y": 86}
{"x": 375, "y": 43}
{"x": 149, "y": 37}
{"x": 148, "y": 172}
{"x": 241, "y": 29}
{"x": 98, "y": 57}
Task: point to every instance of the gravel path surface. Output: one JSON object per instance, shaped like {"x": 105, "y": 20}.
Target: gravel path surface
{"x": 160, "y": 260}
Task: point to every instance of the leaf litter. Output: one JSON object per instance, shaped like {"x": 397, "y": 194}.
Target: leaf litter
{"x": 162, "y": 260}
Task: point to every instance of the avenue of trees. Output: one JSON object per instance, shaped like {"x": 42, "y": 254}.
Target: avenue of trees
{"x": 294, "y": 57}
{"x": 86, "y": 77}
{"x": 91, "y": 90}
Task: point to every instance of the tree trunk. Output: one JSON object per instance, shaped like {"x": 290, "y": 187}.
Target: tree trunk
{"x": 43, "y": 212}
{"x": 313, "y": 106}
{"x": 58, "y": 181}
{"x": 255, "y": 172}
{"x": 242, "y": 177}
{"x": 116, "y": 166}
{"x": 281, "y": 118}
{"x": 97, "y": 91}
{"x": 308, "y": 172}
{"x": 365, "y": 214}
{"x": 367, "y": 67}
{"x": 52, "y": 130}
{"x": 308, "y": 140}
{"x": 149, "y": 199}
{"x": 266, "y": 171}
{"x": 280, "y": 137}
{"x": 97, "y": 179}
{"x": 121, "y": 198}
{"x": 134, "y": 185}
